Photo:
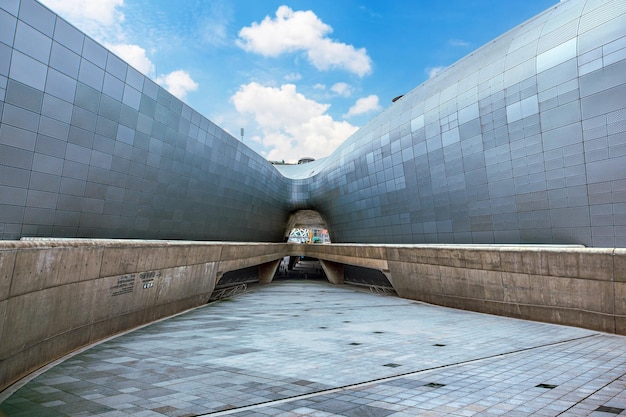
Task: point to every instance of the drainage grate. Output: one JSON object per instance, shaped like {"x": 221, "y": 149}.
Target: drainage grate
{"x": 606, "y": 409}
{"x": 379, "y": 332}
{"x": 434, "y": 385}
{"x": 546, "y": 386}
{"x": 438, "y": 345}
{"x": 355, "y": 344}
{"x": 392, "y": 365}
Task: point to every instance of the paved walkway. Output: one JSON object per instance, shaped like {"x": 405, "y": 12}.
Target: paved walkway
{"x": 306, "y": 348}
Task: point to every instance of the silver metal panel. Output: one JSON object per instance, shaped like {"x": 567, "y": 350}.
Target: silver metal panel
{"x": 68, "y": 36}
{"x": 32, "y": 42}
{"x": 523, "y": 141}
{"x": 95, "y": 53}
{"x": 27, "y": 70}
{"x": 36, "y": 15}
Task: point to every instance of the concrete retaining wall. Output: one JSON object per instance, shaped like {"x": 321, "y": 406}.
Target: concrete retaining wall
{"x": 57, "y": 296}
{"x": 575, "y": 286}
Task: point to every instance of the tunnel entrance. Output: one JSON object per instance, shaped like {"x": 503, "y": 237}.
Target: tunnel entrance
{"x": 312, "y": 235}
{"x": 300, "y": 267}
{"x": 304, "y": 267}
{"x": 307, "y": 226}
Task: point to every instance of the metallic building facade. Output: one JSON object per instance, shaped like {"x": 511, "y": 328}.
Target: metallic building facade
{"x": 522, "y": 141}
{"x": 89, "y": 147}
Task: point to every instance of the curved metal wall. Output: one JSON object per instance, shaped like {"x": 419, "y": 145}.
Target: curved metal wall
{"x": 523, "y": 141}
{"x": 89, "y": 147}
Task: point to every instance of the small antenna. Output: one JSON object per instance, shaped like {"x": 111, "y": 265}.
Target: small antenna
{"x": 242, "y": 134}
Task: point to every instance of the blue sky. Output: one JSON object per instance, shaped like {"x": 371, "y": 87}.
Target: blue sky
{"x": 299, "y": 76}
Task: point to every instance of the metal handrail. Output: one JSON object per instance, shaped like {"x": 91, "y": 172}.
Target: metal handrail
{"x": 228, "y": 292}
{"x": 378, "y": 289}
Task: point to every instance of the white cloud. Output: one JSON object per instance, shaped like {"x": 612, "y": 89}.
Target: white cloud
{"x": 104, "y": 11}
{"x": 433, "y": 71}
{"x": 178, "y": 83}
{"x": 100, "y": 19}
{"x": 294, "y": 76}
{"x": 303, "y": 31}
{"x": 459, "y": 42}
{"x": 275, "y": 107}
{"x": 291, "y": 31}
{"x": 135, "y": 55}
{"x": 319, "y": 86}
{"x": 329, "y": 54}
{"x": 213, "y": 22}
{"x": 342, "y": 89}
{"x": 364, "y": 105}
{"x": 214, "y": 32}
{"x": 291, "y": 125}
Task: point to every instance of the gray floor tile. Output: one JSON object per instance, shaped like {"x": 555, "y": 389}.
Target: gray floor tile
{"x": 308, "y": 348}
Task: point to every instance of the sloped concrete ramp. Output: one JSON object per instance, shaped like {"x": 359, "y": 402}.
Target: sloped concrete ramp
{"x": 307, "y": 348}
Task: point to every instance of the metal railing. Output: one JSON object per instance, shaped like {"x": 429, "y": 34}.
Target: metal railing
{"x": 374, "y": 289}
{"x": 377, "y": 289}
{"x": 220, "y": 293}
